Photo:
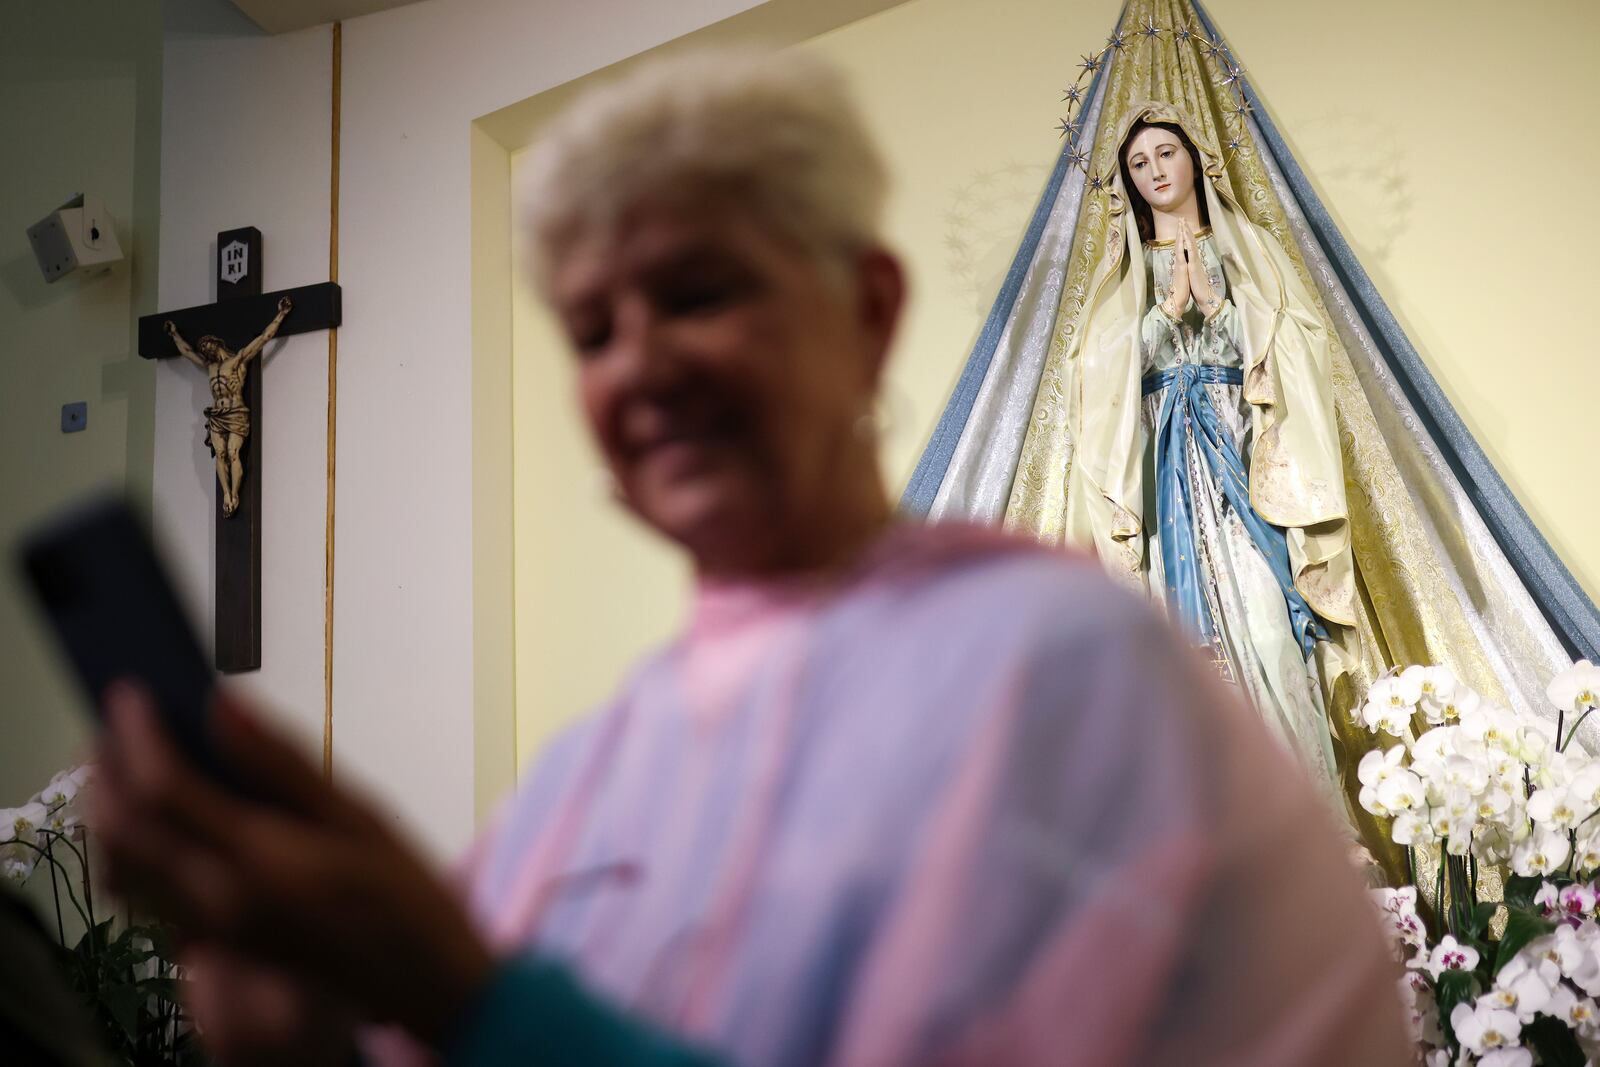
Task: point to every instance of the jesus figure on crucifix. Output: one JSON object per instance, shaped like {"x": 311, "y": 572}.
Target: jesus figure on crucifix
{"x": 228, "y": 417}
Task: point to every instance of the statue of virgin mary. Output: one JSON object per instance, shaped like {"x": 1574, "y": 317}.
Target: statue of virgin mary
{"x": 1187, "y": 370}
{"x": 1207, "y": 459}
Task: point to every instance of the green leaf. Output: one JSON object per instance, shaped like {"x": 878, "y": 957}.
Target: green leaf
{"x": 1520, "y": 891}
{"x": 166, "y": 988}
{"x": 1482, "y": 916}
{"x": 1521, "y": 928}
{"x": 94, "y": 939}
{"x": 1555, "y": 1044}
{"x": 160, "y": 940}
{"x": 1452, "y": 988}
{"x": 124, "y": 1003}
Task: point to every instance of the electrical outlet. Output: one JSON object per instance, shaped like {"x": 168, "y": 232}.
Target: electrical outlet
{"x": 74, "y": 417}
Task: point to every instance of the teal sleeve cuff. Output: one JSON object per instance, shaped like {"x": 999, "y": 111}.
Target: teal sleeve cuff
{"x": 534, "y": 1011}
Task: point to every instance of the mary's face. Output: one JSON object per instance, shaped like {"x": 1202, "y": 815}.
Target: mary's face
{"x": 1161, "y": 168}
{"x": 720, "y": 372}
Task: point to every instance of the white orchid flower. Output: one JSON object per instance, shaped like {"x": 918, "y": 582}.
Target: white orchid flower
{"x": 1401, "y": 923}
{"x": 1536, "y": 743}
{"x": 1450, "y": 955}
{"x": 1401, "y": 791}
{"x": 1580, "y": 1014}
{"x": 1437, "y": 1057}
{"x": 1422, "y": 1010}
{"x": 1548, "y": 898}
{"x": 1438, "y": 688}
{"x": 1396, "y": 722}
{"x": 1542, "y": 955}
{"x": 62, "y": 788}
{"x": 1585, "y": 966}
{"x": 1492, "y": 845}
{"x": 1576, "y": 689}
{"x": 1459, "y": 802}
{"x": 26, "y": 820}
{"x": 1455, "y": 820}
{"x": 1438, "y": 743}
{"x": 1413, "y": 676}
{"x": 1521, "y": 989}
{"x": 1377, "y": 765}
{"x": 1401, "y": 901}
{"x": 1409, "y": 932}
{"x": 1434, "y": 786}
{"x": 1585, "y": 785}
{"x": 16, "y": 867}
{"x": 1494, "y": 802}
{"x": 1576, "y": 902}
{"x": 1368, "y": 799}
{"x": 1564, "y": 954}
{"x": 63, "y": 819}
{"x": 1398, "y": 690}
{"x": 1513, "y": 1056}
{"x": 1503, "y": 766}
{"x": 1540, "y": 854}
{"x": 1560, "y": 769}
{"x": 1449, "y": 708}
{"x": 1586, "y": 855}
{"x": 1494, "y": 726}
{"x": 1482, "y": 1029}
{"x": 1464, "y": 772}
{"x": 1414, "y": 989}
{"x": 1411, "y": 828}
{"x": 1390, "y": 704}
{"x": 1554, "y": 809}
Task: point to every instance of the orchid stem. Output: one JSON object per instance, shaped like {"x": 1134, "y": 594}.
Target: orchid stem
{"x": 1562, "y": 747}
{"x": 73, "y": 897}
{"x": 83, "y": 866}
{"x": 88, "y": 886}
{"x": 55, "y": 894}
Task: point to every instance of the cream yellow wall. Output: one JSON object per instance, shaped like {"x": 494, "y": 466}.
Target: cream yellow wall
{"x": 592, "y": 590}
{"x": 1423, "y": 125}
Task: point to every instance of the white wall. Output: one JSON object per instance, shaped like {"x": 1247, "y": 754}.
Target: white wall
{"x": 80, "y": 110}
{"x": 248, "y": 116}
{"x": 246, "y": 143}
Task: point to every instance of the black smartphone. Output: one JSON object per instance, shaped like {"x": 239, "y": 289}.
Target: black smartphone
{"x": 95, "y": 573}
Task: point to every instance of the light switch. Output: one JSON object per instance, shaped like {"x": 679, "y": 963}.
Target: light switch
{"x": 74, "y": 417}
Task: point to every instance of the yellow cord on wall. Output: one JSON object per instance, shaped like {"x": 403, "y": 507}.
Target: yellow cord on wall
{"x": 333, "y": 403}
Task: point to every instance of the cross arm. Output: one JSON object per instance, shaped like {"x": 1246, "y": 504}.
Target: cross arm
{"x": 240, "y": 320}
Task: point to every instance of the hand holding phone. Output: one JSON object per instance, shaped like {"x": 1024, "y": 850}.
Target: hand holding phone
{"x": 95, "y": 573}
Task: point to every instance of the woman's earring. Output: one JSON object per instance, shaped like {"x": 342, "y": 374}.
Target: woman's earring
{"x": 879, "y": 421}
{"x": 607, "y": 485}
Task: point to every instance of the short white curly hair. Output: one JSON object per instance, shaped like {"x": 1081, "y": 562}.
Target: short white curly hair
{"x": 775, "y": 134}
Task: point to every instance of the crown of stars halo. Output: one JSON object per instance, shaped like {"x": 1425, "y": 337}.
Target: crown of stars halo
{"x": 1227, "y": 75}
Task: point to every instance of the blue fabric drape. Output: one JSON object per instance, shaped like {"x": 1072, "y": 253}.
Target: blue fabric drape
{"x": 1188, "y": 416}
{"x": 935, "y": 460}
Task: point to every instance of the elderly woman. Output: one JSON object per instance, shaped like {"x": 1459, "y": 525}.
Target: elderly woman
{"x": 895, "y": 796}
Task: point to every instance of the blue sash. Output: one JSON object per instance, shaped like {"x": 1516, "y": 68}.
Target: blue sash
{"x": 1187, "y": 413}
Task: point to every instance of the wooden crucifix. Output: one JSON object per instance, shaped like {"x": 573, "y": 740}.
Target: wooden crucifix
{"x": 225, "y": 339}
